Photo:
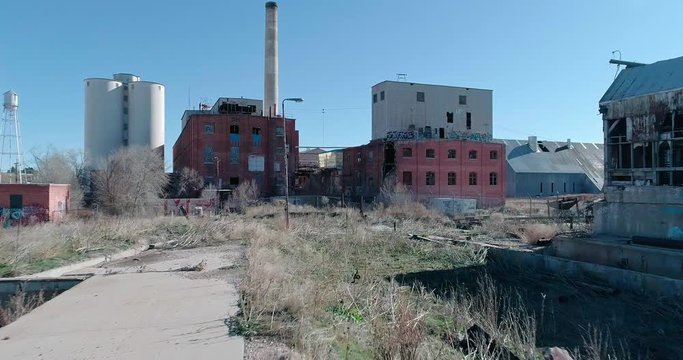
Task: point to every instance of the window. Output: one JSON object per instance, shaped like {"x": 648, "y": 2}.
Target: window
{"x": 234, "y": 155}
{"x": 552, "y": 187}
{"x": 451, "y": 178}
{"x": 381, "y": 95}
{"x": 208, "y": 128}
{"x": 125, "y": 97}
{"x": 541, "y": 188}
{"x": 234, "y": 129}
{"x": 256, "y": 137}
{"x": 430, "y": 153}
{"x": 407, "y": 178}
{"x": 208, "y": 154}
{"x": 469, "y": 121}
{"x": 493, "y": 154}
{"x": 420, "y": 96}
{"x": 493, "y": 179}
{"x": 473, "y": 154}
{"x": 371, "y": 155}
{"x": 430, "y": 178}
{"x": 407, "y": 152}
{"x": 449, "y": 117}
{"x": 374, "y": 98}
{"x": 462, "y": 100}
{"x": 451, "y": 153}
{"x": 125, "y": 110}
{"x": 279, "y": 131}
{"x": 234, "y": 181}
{"x": 473, "y": 178}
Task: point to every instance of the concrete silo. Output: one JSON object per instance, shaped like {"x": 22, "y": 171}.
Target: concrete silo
{"x": 103, "y": 119}
{"x": 146, "y": 115}
{"x": 122, "y": 112}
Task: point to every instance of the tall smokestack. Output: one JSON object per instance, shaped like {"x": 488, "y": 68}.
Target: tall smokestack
{"x": 270, "y": 88}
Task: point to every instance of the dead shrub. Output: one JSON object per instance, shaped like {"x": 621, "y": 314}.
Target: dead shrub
{"x": 532, "y": 233}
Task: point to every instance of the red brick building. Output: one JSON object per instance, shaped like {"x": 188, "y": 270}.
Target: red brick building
{"x": 232, "y": 143}
{"x": 33, "y": 202}
{"x": 429, "y": 169}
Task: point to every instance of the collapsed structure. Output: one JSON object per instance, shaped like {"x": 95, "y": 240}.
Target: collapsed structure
{"x": 642, "y": 114}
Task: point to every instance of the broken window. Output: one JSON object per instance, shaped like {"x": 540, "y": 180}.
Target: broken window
{"x": 462, "y": 100}
{"x": 473, "y": 178}
{"x": 493, "y": 179}
{"x": 256, "y": 137}
{"x": 451, "y": 178}
{"x": 407, "y": 152}
{"x": 451, "y": 153}
{"x": 493, "y": 154}
{"x": 430, "y": 178}
{"x": 473, "y": 154}
{"x": 431, "y": 153}
{"x": 234, "y": 181}
{"x": 407, "y": 178}
{"x": 468, "y": 123}
{"x": 234, "y": 129}
{"x": 420, "y": 96}
{"x": 381, "y": 95}
{"x": 449, "y": 117}
{"x": 374, "y": 98}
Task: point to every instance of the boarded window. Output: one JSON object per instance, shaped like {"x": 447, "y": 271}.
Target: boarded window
{"x": 462, "y": 100}
{"x": 451, "y": 178}
{"x": 430, "y": 178}
{"x": 473, "y": 178}
{"x": 431, "y": 153}
{"x": 234, "y": 155}
{"x": 256, "y": 163}
{"x": 407, "y": 178}
{"x": 451, "y": 153}
{"x": 208, "y": 154}
{"x": 256, "y": 137}
{"x": 420, "y": 96}
{"x": 493, "y": 179}
{"x": 279, "y": 132}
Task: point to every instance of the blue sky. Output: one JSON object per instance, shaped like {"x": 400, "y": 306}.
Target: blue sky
{"x": 546, "y": 60}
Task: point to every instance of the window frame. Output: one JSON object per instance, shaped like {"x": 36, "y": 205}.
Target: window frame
{"x": 408, "y": 175}
{"x": 472, "y": 177}
{"x": 462, "y": 99}
{"x": 493, "y": 178}
{"x": 472, "y": 155}
{"x": 452, "y": 152}
{"x": 452, "y": 178}
{"x": 407, "y": 152}
{"x": 430, "y": 151}
{"x": 493, "y": 155}
{"x": 420, "y": 96}
{"x": 430, "y": 178}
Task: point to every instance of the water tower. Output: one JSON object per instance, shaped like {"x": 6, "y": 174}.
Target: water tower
{"x": 10, "y": 155}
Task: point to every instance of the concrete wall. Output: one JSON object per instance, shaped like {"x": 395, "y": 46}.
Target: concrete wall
{"x": 529, "y": 184}
{"x": 41, "y": 202}
{"x": 400, "y": 108}
{"x": 655, "y": 212}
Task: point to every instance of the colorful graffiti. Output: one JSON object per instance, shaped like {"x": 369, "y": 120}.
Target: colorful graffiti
{"x": 452, "y": 135}
{"x": 25, "y": 216}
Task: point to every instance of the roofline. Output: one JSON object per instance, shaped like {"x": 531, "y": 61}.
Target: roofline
{"x": 424, "y": 84}
{"x": 641, "y": 95}
{"x": 105, "y": 79}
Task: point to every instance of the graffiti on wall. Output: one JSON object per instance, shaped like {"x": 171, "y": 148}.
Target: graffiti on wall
{"x": 401, "y": 135}
{"x": 27, "y": 215}
{"x": 470, "y": 136}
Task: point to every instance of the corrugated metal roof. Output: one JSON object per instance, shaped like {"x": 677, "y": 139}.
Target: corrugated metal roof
{"x": 585, "y": 158}
{"x": 647, "y": 79}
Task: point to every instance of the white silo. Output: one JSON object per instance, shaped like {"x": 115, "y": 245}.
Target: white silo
{"x": 103, "y": 119}
{"x": 146, "y": 115}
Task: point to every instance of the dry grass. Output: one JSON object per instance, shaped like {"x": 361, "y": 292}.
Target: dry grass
{"x": 497, "y": 226}
{"x": 19, "y": 305}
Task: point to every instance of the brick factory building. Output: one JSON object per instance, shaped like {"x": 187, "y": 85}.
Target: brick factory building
{"x": 231, "y": 143}
{"x": 429, "y": 169}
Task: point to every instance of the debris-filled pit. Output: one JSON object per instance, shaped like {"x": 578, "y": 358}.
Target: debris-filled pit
{"x": 571, "y": 313}
{"x": 19, "y": 296}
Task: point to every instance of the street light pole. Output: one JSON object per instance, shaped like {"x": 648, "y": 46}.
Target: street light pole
{"x": 284, "y": 134}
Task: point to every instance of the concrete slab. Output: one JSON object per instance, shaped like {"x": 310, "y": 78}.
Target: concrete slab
{"x": 155, "y": 315}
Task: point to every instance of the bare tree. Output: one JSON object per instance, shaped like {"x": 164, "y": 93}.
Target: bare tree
{"x": 129, "y": 181}
{"x": 61, "y": 167}
{"x": 247, "y": 193}
{"x": 190, "y": 184}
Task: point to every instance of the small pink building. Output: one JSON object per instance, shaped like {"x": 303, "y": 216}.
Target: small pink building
{"x": 34, "y": 202}
{"x": 439, "y": 168}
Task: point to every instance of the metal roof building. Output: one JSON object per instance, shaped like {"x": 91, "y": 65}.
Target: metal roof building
{"x": 543, "y": 168}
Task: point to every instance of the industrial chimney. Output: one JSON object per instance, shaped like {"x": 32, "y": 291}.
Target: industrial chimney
{"x": 270, "y": 88}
